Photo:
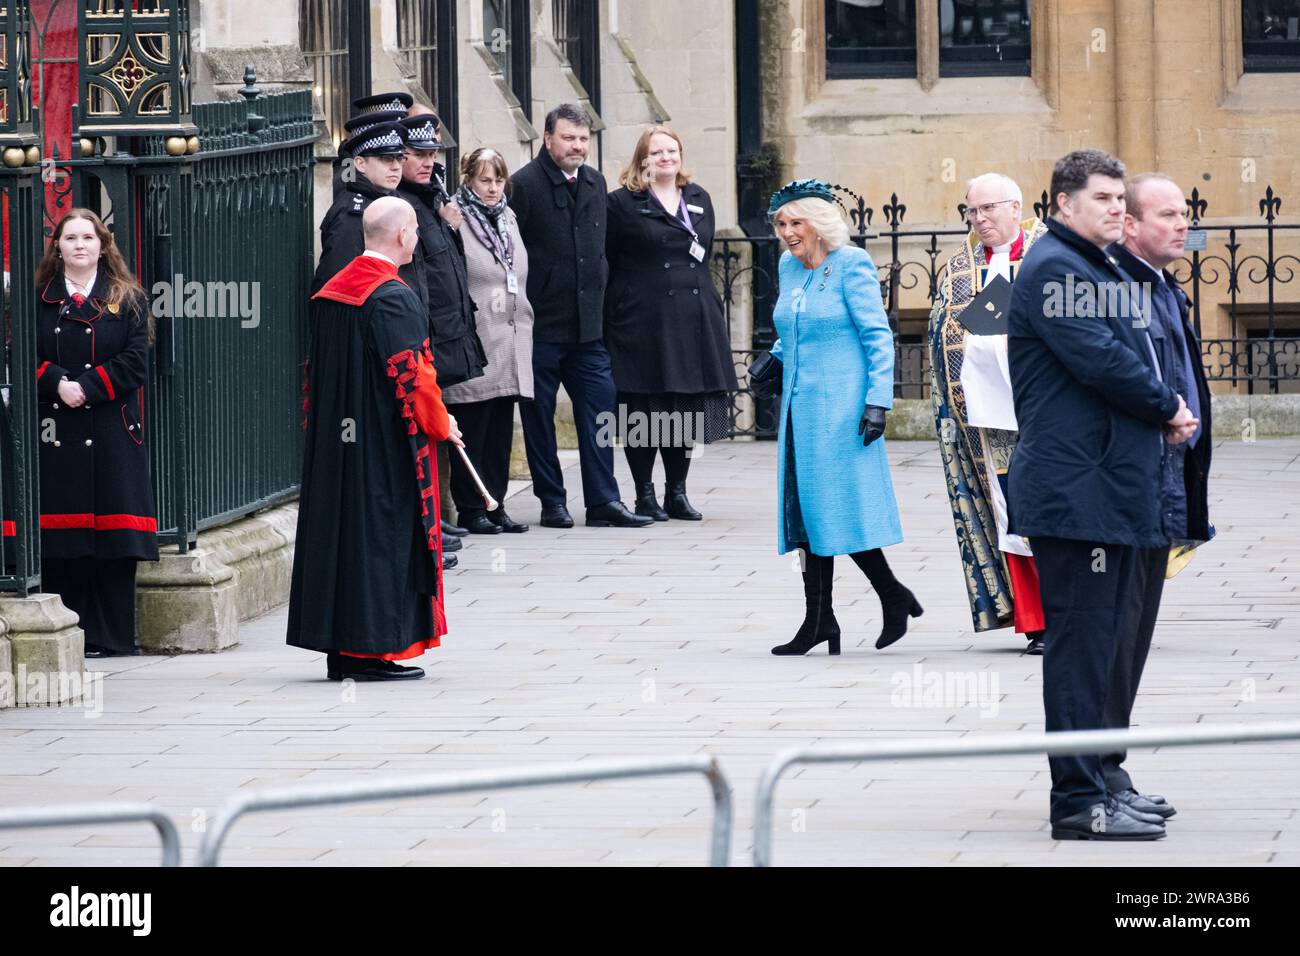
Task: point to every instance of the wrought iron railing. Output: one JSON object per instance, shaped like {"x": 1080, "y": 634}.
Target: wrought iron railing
{"x": 1244, "y": 270}
{"x": 229, "y": 390}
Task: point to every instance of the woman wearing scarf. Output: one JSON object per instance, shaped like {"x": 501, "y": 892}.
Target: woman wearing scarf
{"x": 484, "y": 407}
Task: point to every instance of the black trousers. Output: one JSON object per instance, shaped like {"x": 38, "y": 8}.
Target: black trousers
{"x": 102, "y": 593}
{"x": 488, "y": 430}
{"x": 1100, "y": 603}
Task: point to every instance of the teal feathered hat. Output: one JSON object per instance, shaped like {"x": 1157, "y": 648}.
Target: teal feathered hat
{"x": 800, "y": 189}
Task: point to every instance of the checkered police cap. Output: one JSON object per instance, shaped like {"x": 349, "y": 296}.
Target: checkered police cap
{"x": 422, "y": 132}
{"x": 364, "y": 121}
{"x": 386, "y": 139}
{"x": 383, "y": 101}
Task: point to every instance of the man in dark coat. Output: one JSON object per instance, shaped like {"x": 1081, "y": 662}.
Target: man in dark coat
{"x": 559, "y": 202}
{"x": 457, "y": 351}
{"x": 1096, "y": 422}
{"x": 1155, "y": 235}
{"x": 367, "y": 585}
{"x": 454, "y": 336}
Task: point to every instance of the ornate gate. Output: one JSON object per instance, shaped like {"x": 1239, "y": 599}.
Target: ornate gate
{"x": 211, "y": 206}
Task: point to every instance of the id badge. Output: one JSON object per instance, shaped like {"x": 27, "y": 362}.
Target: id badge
{"x": 512, "y": 283}
{"x": 697, "y": 251}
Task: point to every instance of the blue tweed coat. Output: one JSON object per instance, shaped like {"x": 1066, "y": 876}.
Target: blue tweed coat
{"x": 837, "y": 352}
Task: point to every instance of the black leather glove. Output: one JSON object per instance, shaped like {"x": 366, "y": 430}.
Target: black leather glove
{"x": 872, "y": 424}
{"x": 765, "y": 376}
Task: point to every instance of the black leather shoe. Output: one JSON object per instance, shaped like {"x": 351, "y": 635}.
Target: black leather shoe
{"x": 1035, "y": 648}
{"x": 1105, "y": 821}
{"x": 896, "y": 610}
{"x": 341, "y": 667}
{"x": 479, "y": 524}
{"x": 449, "y": 561}
{"x": 94, "y": 652}
{"x": 676, "y": 503}
{"x": 1137, "y": 814}
{"x": 614, "y": 514}
{"x": 506, "y": 523}
{"x": 556, "y": 516}
{"x": 451, "y": 543}
{"x": 1146, "y": 803}
{"x": 646, "y": 502}
{"x": 454, "y": 530}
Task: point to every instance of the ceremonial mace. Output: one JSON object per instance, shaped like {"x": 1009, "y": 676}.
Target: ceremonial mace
{"x": 488, "y": 501}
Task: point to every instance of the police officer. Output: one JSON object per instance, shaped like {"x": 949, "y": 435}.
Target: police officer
{"x": 370, "y": 111}
{"x": 453, "y": 336}
{"x": 372, "y": 168}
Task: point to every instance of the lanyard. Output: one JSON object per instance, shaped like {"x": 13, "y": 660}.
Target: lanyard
{"x": 685, "y": 216}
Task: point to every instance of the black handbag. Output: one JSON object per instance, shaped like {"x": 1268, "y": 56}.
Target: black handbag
{"x": 765, "y": 375}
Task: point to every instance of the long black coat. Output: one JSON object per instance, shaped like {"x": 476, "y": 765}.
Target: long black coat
{"x": 1089, "y": 402}
{"x": 565, "y": 238}
{"x": 664, "y": 327}
{"x": 440, "y": 261}
{"x": 366, "y": 569}
{"x": 96, "y": 494}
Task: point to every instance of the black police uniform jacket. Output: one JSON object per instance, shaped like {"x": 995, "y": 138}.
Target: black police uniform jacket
{"x": 341, "y": 238}
{"x": 664, "y": 327}
{"x": 443, "y": 286}
{"x": 564, "y": 233}
{"x": 367, "y": 559}
{"x": 1089, "y": 401}
{"x": 96, "y": 493}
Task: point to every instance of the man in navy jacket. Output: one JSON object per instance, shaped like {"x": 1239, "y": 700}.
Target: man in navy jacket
{"x": 559, "y": 202}
{"x": 1096, "y": 421}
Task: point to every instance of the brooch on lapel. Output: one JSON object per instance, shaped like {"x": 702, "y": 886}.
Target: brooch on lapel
{"x": 826, "y": 274}
{"x": 113, "y": 307}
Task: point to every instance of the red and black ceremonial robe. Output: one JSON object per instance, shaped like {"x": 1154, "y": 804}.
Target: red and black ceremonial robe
{"x": 367, "y": 575}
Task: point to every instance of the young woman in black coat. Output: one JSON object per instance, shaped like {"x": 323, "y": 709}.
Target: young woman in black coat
{"x": 97, "y": 506}
{"x": 664, "y": 327}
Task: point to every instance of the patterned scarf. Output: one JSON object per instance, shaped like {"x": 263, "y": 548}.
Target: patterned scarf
{"x": 488, "y": 224}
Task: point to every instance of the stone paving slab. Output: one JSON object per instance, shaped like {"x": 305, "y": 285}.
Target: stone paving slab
{"x": 592, "y": 644}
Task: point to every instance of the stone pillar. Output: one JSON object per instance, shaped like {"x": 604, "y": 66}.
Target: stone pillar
{"x": 1135, "y": 120}
{"x": 45, "y": 650}
{"x": 187, "y": 603}
{"x": 6, "y": 669}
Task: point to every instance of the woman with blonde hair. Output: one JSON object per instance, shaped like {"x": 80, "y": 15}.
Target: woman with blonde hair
{"x": 836, "y": 355}
{"x": 664, "y": 326}
{"x": 97, "y": 505}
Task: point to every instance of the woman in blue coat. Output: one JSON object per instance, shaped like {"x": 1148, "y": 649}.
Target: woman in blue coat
{"x": 837, "y": 353}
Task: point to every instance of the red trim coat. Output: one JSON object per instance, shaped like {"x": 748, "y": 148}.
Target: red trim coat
{"x": 96, "y": 493}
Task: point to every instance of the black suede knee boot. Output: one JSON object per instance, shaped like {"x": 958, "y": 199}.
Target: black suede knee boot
{"x": 897, "y": 603}
{"x": 819, "y": 622}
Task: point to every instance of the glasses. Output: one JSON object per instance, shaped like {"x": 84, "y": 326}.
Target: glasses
{"x": 986, "y": 210}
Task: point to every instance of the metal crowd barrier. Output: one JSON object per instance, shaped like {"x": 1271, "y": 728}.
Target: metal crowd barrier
{"x": 284, "y": 798}
{"x": 1072, "y": 743}
{"x": 76, "y": 814}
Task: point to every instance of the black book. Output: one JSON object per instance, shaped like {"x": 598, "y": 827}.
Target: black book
{"x": 987, "y": 312}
